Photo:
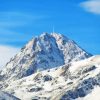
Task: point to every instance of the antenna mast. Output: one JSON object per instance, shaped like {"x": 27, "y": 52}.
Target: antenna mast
{"x": 53, "y": 30}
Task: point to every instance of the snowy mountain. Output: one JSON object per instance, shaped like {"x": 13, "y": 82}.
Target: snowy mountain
{"x": 51, "y": 67}
{"x": 75, "y": 81}
{"x": 43, "y": 52}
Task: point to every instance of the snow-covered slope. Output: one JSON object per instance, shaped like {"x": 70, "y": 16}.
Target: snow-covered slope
{"x": 43, "y": 52}
{"x": 74, "y": 81}
{"x": 6, "y": 96}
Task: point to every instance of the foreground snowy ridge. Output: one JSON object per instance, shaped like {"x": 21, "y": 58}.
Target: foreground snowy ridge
{"x": 61, "y": 83}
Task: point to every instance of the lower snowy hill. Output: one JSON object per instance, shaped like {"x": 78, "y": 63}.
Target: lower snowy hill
{"x": 74, "y": 81}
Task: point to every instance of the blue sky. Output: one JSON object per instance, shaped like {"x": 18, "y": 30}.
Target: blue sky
{"x": 20, "y": 20}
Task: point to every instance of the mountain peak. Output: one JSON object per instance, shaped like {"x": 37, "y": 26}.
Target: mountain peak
{"x": 43, "y": 52}
{"x": 44, "y": 34}
{"x": 55, "y": 34}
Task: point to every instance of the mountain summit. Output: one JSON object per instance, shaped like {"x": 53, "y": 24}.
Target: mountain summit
{"x": 43, "y": 52}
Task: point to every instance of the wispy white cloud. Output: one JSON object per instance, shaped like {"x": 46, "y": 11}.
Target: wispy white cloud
{"x": 14, "y": 24}
{"x": 92, "y": 6}
{"x": 6, "y": 52}
{"x": 18, "y": 19}
{"x": 9, "y": 37}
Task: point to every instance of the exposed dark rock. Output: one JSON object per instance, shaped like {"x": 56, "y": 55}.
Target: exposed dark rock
{"x": 47, "y": 78}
